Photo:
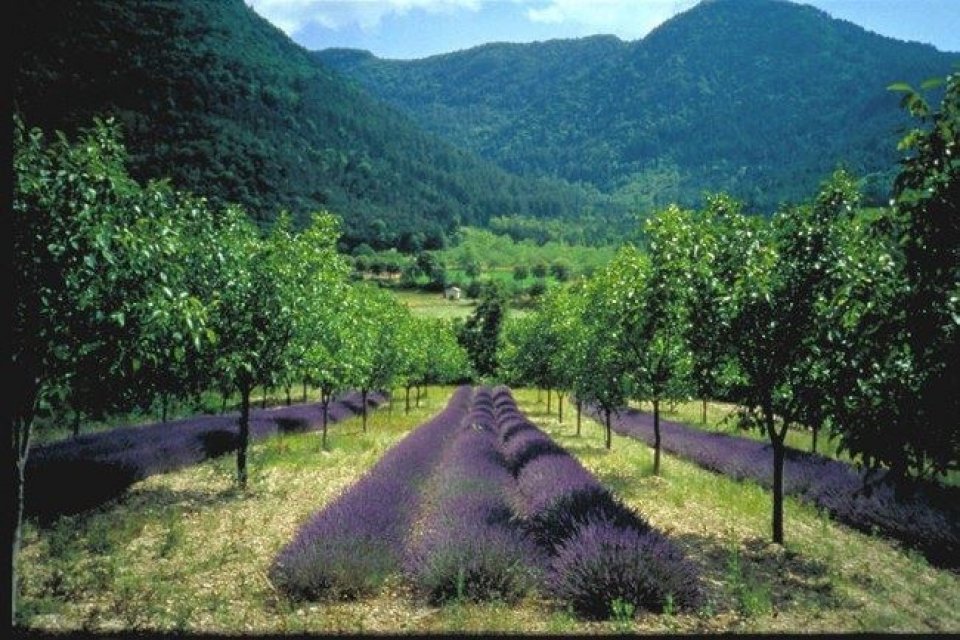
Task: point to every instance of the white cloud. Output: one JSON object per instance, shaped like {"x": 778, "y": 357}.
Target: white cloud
{"x": 293, "y": 15}
{"x": 629, "y": 19}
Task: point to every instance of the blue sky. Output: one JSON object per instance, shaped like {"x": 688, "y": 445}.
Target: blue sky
{"x": 419, "y": 28}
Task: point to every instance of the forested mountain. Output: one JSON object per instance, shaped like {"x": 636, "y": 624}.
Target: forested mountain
{"x": 762, "y": 98}
{"x": 217, "y": 99}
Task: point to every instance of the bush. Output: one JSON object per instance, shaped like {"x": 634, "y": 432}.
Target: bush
{"x": 346, "y": 549}
{"x": 604, "y": 563}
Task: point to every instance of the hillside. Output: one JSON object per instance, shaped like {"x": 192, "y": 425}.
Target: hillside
{"x": 762, "y": 98}
{"x": 216, "y": 98}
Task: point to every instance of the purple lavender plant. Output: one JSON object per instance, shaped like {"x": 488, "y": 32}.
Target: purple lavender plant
{"x": 101, "y": 466}
{"x": 469, "y": 544}
{"x": 346, "y": 549}
{"x": 604, "y": 562}
{"x": 919, "y": 515}
{"x": 599, "y": 550}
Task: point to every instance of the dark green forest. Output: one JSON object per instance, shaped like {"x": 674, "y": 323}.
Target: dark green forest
{"x": 224, "y": 104}
{"x": 760, "y": 99}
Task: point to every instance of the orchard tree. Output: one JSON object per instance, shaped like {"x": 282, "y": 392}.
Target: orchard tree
{"x": 380, "y": 331}
{"x": 651, "y": 292}
{"x": 784, "y": 281}
{"x": 480, "y": 334}
{"x": 94, "y": 272}
{"x": 328, "y": 325}
{"x": 254, "y": 327}
{"x": 600, "y": 375}
{"x": 715, "y": 264}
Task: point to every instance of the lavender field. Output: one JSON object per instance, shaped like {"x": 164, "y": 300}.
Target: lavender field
{"x": 480, "y": 504}
{"x": 923, "y": 516}
{"x": 81, "y": 473}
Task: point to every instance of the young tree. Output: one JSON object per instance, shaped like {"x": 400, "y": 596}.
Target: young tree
{"x": 480, "y": 334}
{"x": 94, "y": 271}
{"x": 253, "y": 326}
{"x": 600, "y": 376}
{"x": 652, "y": 293}
{"x": 776, "y": 297}
{"x": 715, "y": 264}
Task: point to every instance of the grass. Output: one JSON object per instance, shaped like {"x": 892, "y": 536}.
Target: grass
{"x": 187, "y": 551}
{"x": 434, "y": 305}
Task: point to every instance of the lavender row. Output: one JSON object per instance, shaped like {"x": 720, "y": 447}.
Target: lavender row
{"x": 918, "y": 515}
{"x": 101, "y": 466}
{"x": 599, "y": 551}
{"x": 348, "y": 548}
{"x": 467, "y": 543}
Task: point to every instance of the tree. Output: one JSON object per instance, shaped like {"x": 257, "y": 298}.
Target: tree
{"x": 480, "y": 334}
{"x": 927, "y": 199}
{"x": 327, "y": 328}
{"x": 600, "y": 377}
{"x": 380, "y": 327}
{"x": 651, "y": 293}
{"x": 894, "y": 374}
{"x": 715, "y": 264}
{"x": 777, "y": 296}
{"x": 521, "y": 272}
{"x": 94, "y": 271}
{"x": 254, "y": 327}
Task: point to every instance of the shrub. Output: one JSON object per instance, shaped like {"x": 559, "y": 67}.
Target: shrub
{"x": 346, "y": 549}
{"x": 469, "y": 544}
{"x": 605, "y": 563}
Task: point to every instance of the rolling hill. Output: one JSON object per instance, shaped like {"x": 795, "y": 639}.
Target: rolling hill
{"x": 217, "y": 99}
{"x": 762, "y": 98}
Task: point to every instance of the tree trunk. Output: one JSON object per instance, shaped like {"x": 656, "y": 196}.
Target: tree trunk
{"x": 606, "y": 413}
{"x": 325, "y": 400}
{"x": 77, "y": 415}
{"x": 418, "y": 396}
{"x": 549, "y": 409}
{"x": 656, "y": 436}
{"x": 21, "y": 448}
{"x": 223, "y": 402}
{"x": 407, "y": 405}
{"x": 560, "y": 406}
{"x": 776, "y": 441}
{"x": 813, "y": 445}
{"x": 363, "y": 397}
{"x": 539, "y": 395}
{"x": 579, "y": 414}
{"x": 164, "y": 404}
{"x": 288, "y": 388}
{"x": 703, "y": 412}
{"x": 245, "y": 390}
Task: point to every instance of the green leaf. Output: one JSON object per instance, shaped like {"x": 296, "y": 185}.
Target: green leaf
{"x": 902, "y": 87}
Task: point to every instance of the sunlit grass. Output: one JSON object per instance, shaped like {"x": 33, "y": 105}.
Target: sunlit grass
{"x": 187, "y": 551}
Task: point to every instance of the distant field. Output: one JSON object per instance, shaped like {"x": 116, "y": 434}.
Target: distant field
{"x": 434, "y": 305}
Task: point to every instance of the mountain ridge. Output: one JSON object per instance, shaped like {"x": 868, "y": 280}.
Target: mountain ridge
{"x": 216, "y": 98}
{"x": 704, "y": 102}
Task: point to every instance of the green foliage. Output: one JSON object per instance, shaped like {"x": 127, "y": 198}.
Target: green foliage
{"x": 223, "y": 104}
{"x": 480, "y": 334}
{"x": 710, "y": 100}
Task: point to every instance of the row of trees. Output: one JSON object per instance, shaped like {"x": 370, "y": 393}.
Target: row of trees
{"x": 125, "y": 293}
{"x": 828, "y": 315}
